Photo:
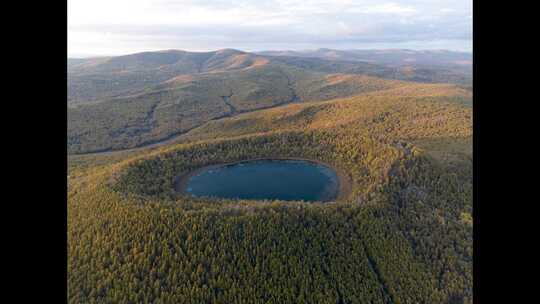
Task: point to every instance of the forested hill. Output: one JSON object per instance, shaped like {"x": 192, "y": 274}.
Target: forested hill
{"x": 418, "y": 65}
{"x": 403, "y": 235}
{"x": 97, "y": 78}
{"x": 401, "y": 136}
{"x": 134, "y": 100}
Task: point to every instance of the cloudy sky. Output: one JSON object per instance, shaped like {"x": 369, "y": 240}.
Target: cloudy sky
{"x": 114, "y": 27}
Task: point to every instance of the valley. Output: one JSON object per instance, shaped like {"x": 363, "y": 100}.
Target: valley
{"x": 148, "y": 115}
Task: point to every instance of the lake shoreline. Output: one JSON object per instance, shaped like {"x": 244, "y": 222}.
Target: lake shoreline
{"x": 344, "y": 183}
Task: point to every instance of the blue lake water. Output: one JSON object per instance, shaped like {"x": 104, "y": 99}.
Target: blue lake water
{"x": 290, "y": 180}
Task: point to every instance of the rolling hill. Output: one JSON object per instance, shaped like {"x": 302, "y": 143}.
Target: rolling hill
{"x": 94, "y": 79}
{"x": 98, "y": 78}
{"x": 137, "y": 123}
{"x": 425, "y": 66}
{"x": 390, "y": 57}
{"x": 404, "y": 234}
{"x": 134, "y": 100}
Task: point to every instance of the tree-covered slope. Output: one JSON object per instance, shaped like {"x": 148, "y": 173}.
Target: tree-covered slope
{"x": 104, "y": 77}
{"x": 404, "y": 235}
{"x": 96, "y": 79}
{"x": 183, "y": 103}
{"x": 133, "y": 100}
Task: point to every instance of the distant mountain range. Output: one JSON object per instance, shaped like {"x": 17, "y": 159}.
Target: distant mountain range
{"x": 393, "y": 57}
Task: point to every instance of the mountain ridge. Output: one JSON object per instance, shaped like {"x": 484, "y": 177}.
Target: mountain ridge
{"x": 97, "y": 78}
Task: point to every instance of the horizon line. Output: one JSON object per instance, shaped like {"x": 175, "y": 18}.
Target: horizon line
{"x": 85, "y": 56}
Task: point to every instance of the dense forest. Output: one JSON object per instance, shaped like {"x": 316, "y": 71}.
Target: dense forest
{"x": 404, "y": 235}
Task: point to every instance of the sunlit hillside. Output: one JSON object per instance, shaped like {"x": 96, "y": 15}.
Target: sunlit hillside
{"x": 184, "y": 102}
{"x": 403, "y": 235}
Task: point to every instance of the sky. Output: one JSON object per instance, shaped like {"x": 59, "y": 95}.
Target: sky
{"x": 117, "y": 27}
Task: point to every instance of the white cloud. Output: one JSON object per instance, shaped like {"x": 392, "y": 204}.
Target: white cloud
{"x": 447, "y": 10}
{"x": 390, "y": 8}
{"x": 136, "y": 25}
